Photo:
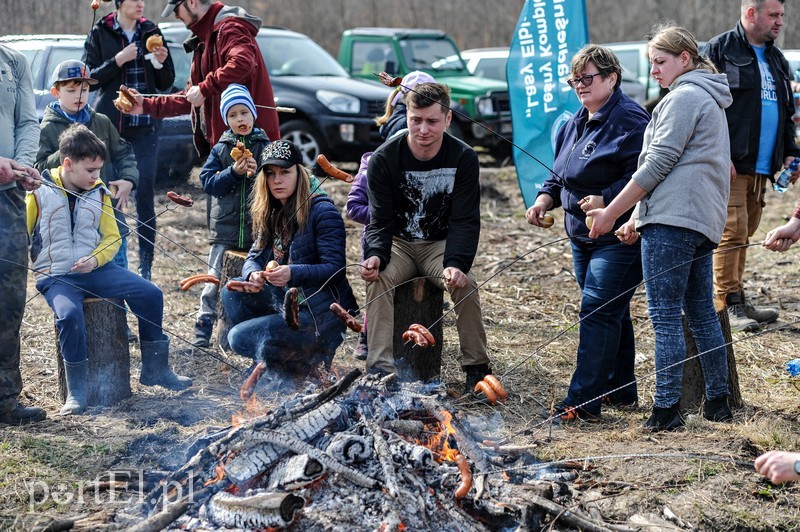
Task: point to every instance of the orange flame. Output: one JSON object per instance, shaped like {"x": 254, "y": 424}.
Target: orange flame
{"x": 219, "y": 474}
{"x": 439, "y": 443}
{"x": 252, "y": 408}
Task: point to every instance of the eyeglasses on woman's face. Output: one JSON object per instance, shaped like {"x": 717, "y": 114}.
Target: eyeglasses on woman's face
{"x": 586, "y": 80}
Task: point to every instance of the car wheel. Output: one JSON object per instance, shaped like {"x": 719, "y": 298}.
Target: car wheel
{"x": 305, "y": 137}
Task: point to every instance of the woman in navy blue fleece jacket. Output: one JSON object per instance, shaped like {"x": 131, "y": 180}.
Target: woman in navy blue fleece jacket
{"x": 596, "y": 154}
{"x": 303, "y": 232}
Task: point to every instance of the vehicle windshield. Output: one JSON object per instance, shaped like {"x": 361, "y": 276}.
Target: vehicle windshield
{"x": 438, "y": 55}
{"x": 296, "y": 56}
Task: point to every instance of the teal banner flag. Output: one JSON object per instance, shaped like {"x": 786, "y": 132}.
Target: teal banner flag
{"x": 548, "y": 34}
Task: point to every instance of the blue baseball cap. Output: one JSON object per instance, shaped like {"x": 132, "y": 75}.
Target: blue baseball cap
{"x": 72, "y": 70}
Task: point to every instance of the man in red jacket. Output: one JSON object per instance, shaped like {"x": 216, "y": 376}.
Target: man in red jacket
{"x": 225, "y": 52}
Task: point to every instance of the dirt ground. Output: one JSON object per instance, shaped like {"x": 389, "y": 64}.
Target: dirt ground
{"x": 699, "y": 478}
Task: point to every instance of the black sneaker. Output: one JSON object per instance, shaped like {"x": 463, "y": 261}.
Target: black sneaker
{"x": 665, "y": 419}
{"x": 717, "y": 409}
{"x": 475, "y": 374}
{"x": 202, "y": 332}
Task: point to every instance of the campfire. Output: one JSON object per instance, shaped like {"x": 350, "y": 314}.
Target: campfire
{"x": 367, "y": 453}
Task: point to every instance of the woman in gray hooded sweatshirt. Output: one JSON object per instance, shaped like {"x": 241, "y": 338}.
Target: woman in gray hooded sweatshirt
{"x": 680, "y": 190}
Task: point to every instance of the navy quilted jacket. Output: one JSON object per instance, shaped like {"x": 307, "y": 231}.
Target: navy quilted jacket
{"x": 316, "y": 257}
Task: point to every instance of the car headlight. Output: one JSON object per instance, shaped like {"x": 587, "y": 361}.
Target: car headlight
{"x": 339, "y": 103}
{"x": 485, "y": 106}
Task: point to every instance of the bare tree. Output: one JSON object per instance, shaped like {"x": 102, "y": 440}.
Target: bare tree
{"x": 470, "y": 23}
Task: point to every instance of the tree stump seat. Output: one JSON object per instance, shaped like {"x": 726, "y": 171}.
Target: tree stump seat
{"x": 232, "y": 264}
{"x": 108, "y": 352}
{"x": 418, "y": 301}
{"x": 693, "y": 391}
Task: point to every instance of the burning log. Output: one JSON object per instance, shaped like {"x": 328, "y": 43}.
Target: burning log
{"x": 249, "y": 463}
{"x": 349, "y": 448}
{"x": 296, "y": 472}
{"x": 405, "y": 427}
{"x": 255, "y": 510}
{"x": 299, "y": 446}
{"x": 384, "y": 455}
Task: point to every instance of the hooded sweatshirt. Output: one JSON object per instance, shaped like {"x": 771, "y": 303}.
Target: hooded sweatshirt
{"x": 225, "y": 51}
{"x": 685, "y": 161}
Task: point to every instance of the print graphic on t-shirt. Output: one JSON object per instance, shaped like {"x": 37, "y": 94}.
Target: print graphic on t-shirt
{"x": 426, "y": 210}
{"x": 768, "y": 91}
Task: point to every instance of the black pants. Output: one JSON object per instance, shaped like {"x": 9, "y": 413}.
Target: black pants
{"x": 143, "y": 140}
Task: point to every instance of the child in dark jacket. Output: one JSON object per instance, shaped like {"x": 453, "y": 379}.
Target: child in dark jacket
{"x": 228, "y": 177}
{"x": 71, "y": 83}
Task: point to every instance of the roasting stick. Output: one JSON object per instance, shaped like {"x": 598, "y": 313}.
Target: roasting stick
{"x": 61, "y": 279}
{"x": 277, "y": 108}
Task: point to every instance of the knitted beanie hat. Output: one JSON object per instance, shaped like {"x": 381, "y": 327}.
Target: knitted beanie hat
{"x": 236, "y": 94}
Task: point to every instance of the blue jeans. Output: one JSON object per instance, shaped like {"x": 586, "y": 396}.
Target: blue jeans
{"x": 677, "y": 264}
{"x": 121, "y": 258}
{"x": 608, "y": 276}
{"x": 109, "y": 281}
{"x": 261, "y": 332}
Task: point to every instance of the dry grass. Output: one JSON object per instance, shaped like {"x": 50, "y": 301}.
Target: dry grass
{"x": 530, "y": 314}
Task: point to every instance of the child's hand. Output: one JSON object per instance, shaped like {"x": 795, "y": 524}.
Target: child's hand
{"x": 240, "y": 166}
{"x": 245, "y": 166}
{"x": 84, "y": 265}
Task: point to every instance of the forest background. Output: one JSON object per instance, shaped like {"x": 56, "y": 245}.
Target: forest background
{"x": 472, "y": 24}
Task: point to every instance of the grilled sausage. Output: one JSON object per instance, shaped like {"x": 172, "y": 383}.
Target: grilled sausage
{"x": 291, "y": 308}
{"x": 246, "y": 391}
{"x": 423, "y": 331}
{"x": 389, "y": 80}
{"x": 416, "y": 337}
{"x": 332, "y": 171}
{"x": 186, "y": 201}
{"x": 496, "y": 386}
{"x": 345, "y": 317}
{"x": 466, "y": 477}
{"x": 487, "y": 390}
{"x": 243, "y": 286}
{"x": 197, "y": 279}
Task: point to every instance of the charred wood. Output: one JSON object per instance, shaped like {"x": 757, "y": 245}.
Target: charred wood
{"x": 164, "y": 518}
{"x": 299, "y": 446}
{"x": 384, "y": 455}
{"x": 349, "y": 448}
{"x": 294, "y": 473}
{"x": 253, "y": 511}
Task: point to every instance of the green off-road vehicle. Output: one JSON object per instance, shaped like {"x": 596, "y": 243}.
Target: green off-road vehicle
{"x": 364, "y": 52}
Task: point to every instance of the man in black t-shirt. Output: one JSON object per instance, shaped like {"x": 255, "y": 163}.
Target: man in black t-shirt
{"x": 424, "y": 201}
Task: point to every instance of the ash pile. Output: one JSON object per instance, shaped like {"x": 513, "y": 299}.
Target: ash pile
{"x": 367, "y": 453}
